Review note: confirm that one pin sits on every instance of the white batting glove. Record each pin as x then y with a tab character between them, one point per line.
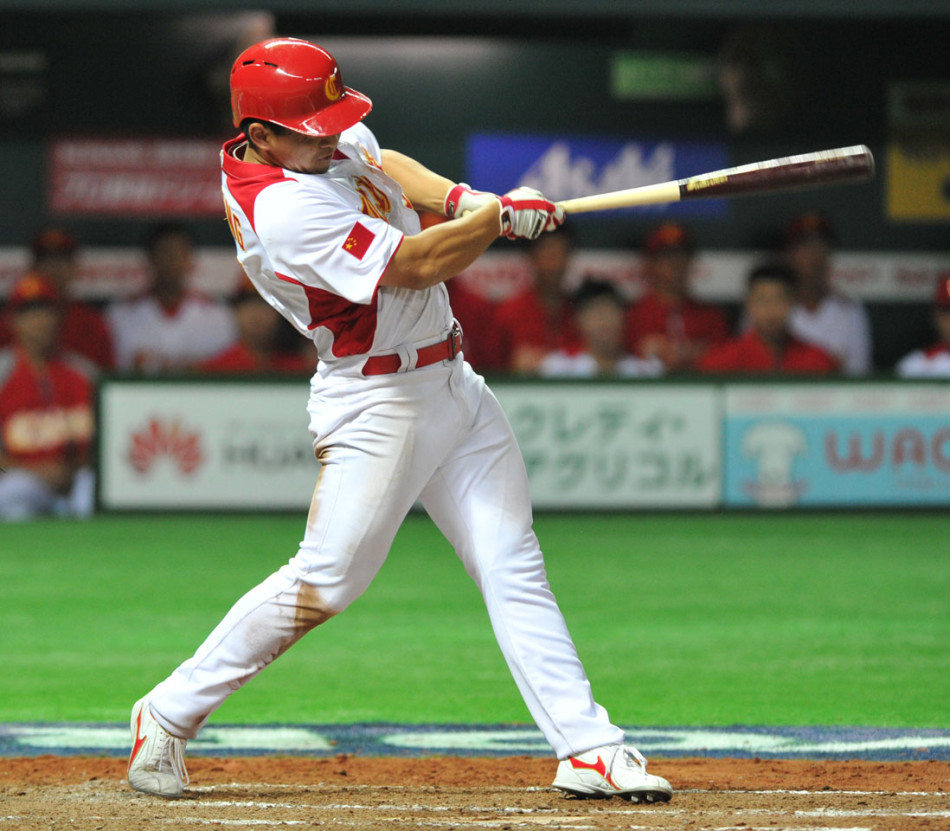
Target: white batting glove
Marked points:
527	213
462	199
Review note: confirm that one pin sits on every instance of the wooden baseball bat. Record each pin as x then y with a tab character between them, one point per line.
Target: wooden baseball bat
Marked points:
825	167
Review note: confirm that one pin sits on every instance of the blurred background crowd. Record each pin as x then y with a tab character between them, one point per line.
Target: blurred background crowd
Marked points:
748	87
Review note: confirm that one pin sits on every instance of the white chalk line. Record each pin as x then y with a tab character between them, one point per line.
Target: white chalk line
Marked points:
263	786
423	809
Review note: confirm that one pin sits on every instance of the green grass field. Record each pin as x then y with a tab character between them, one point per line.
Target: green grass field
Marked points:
680	620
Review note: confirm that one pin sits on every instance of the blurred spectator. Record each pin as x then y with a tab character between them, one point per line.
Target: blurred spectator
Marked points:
256	349
82	328
667	322
475	313
768	345
540	320
169	328
760	79
933	362
821	316
46	417
483	348
599	310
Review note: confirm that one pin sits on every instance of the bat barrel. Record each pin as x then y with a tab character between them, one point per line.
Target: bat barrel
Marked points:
826	167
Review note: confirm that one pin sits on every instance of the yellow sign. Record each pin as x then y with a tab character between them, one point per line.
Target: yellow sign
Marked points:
918	180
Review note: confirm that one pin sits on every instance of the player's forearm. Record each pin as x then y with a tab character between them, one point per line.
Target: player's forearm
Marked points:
442	251
424	188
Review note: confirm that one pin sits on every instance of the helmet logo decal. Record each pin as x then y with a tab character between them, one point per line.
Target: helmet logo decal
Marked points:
332	87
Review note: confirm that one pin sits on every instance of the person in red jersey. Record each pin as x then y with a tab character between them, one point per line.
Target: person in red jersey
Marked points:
668	322
934	361
256	349
540	319
768	346
82	328
600	310
46	420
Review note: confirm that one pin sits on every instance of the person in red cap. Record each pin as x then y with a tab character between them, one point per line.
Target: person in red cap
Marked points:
668	323
767	346
934	361
256	349
83	329
540	319
821	315
326	226
46	417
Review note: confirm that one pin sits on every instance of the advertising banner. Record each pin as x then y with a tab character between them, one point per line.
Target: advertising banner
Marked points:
563	167
837	445
204	445
224	446
592	446
135	177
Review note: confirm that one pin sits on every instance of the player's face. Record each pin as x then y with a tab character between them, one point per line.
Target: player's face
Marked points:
550	254
768	306
257	322
669	271
36	328
303	154
601	324
811	260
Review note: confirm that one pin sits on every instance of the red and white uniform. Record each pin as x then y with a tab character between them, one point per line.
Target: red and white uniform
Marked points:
45	416
323	276
316	247
689	321
926	363
150	338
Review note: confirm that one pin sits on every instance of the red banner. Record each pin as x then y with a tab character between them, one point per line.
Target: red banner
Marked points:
135	177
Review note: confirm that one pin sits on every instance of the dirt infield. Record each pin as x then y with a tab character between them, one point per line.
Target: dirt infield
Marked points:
89	794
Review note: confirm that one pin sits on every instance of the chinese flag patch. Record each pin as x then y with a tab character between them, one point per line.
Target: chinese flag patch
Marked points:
359	241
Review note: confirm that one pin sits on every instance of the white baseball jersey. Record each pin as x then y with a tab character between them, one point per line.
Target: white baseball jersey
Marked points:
149	338
316	246
324	276
840	326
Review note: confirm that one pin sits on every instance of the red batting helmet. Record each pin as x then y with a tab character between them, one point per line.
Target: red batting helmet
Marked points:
296	84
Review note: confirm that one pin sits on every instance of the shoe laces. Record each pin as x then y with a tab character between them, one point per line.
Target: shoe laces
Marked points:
172	757
634	758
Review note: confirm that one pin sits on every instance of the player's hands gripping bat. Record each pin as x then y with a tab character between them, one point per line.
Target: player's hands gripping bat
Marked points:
527	213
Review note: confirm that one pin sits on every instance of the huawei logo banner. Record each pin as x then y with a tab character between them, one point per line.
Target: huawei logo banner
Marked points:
161	439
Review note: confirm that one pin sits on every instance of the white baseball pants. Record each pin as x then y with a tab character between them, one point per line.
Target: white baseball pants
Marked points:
437	434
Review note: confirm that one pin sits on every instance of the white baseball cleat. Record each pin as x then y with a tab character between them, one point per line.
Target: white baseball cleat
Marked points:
611	770
157	761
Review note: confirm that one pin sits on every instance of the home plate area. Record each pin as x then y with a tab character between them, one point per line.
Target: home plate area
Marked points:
433	776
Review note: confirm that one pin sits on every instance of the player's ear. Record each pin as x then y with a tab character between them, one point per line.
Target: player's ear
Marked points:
257	133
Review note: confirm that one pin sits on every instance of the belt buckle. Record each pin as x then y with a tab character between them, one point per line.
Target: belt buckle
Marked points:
454	341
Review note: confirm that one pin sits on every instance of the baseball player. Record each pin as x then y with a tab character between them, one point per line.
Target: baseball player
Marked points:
326	229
